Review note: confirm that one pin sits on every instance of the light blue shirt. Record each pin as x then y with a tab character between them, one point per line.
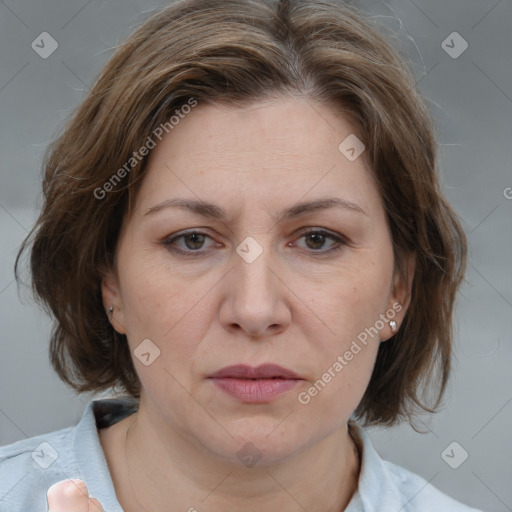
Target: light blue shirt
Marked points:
30	466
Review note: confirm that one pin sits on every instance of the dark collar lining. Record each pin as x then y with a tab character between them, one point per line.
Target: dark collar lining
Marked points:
109	411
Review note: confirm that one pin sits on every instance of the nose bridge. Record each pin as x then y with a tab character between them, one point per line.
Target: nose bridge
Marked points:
254	278
254	301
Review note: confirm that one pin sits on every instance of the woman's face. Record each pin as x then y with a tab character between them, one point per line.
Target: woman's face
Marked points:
237	279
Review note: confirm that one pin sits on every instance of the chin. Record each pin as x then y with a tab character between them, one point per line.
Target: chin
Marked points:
264	441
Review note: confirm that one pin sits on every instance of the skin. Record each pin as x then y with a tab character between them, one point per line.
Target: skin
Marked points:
296	305
71	496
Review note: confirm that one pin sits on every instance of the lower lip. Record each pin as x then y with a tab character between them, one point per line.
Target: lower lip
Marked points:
255	391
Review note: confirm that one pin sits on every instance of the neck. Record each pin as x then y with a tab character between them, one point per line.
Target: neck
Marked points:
162	469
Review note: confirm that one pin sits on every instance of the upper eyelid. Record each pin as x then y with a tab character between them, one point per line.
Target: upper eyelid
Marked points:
338	238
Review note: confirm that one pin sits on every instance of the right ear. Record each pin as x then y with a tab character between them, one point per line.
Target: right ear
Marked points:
112	301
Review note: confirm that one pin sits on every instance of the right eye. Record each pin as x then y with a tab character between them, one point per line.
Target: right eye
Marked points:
187	244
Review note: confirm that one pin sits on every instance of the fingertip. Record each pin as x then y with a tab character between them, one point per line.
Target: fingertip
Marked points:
68	494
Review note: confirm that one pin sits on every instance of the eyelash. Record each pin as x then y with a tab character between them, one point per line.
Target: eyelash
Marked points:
168	242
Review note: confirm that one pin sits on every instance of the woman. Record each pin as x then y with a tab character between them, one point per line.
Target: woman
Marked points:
243	231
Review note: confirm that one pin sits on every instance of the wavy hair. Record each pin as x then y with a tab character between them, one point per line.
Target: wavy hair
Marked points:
236	52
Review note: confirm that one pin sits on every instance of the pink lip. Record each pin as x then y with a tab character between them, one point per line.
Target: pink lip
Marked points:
264	371
255	385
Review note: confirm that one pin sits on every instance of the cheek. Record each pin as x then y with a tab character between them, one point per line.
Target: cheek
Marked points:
344	358
148	288
344	335
168	311
165	307
353	297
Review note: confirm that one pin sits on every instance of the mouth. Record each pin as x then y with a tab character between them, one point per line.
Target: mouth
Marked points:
255	384
264	371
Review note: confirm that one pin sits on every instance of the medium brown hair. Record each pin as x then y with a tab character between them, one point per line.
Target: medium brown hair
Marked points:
236	52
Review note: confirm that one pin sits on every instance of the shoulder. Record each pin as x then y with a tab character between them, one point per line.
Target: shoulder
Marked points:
28	467
418	494
384	485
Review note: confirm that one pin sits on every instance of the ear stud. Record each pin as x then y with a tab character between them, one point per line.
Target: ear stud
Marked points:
392	324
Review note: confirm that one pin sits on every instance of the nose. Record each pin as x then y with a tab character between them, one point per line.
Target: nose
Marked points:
255	298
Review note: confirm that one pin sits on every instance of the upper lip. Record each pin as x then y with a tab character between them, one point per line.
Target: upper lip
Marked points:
264	371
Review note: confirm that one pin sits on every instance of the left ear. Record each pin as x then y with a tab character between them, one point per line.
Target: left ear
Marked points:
112	301
400	296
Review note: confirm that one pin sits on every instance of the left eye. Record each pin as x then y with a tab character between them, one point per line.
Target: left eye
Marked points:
317	240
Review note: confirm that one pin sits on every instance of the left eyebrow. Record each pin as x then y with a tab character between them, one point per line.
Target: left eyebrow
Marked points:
320	204
211	210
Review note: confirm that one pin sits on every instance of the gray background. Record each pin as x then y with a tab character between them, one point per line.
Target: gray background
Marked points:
471	99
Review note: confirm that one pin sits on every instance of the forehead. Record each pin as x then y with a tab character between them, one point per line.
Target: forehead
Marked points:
262	153
295	125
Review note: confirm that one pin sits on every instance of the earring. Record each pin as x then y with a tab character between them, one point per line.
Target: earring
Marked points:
110	310
392	324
